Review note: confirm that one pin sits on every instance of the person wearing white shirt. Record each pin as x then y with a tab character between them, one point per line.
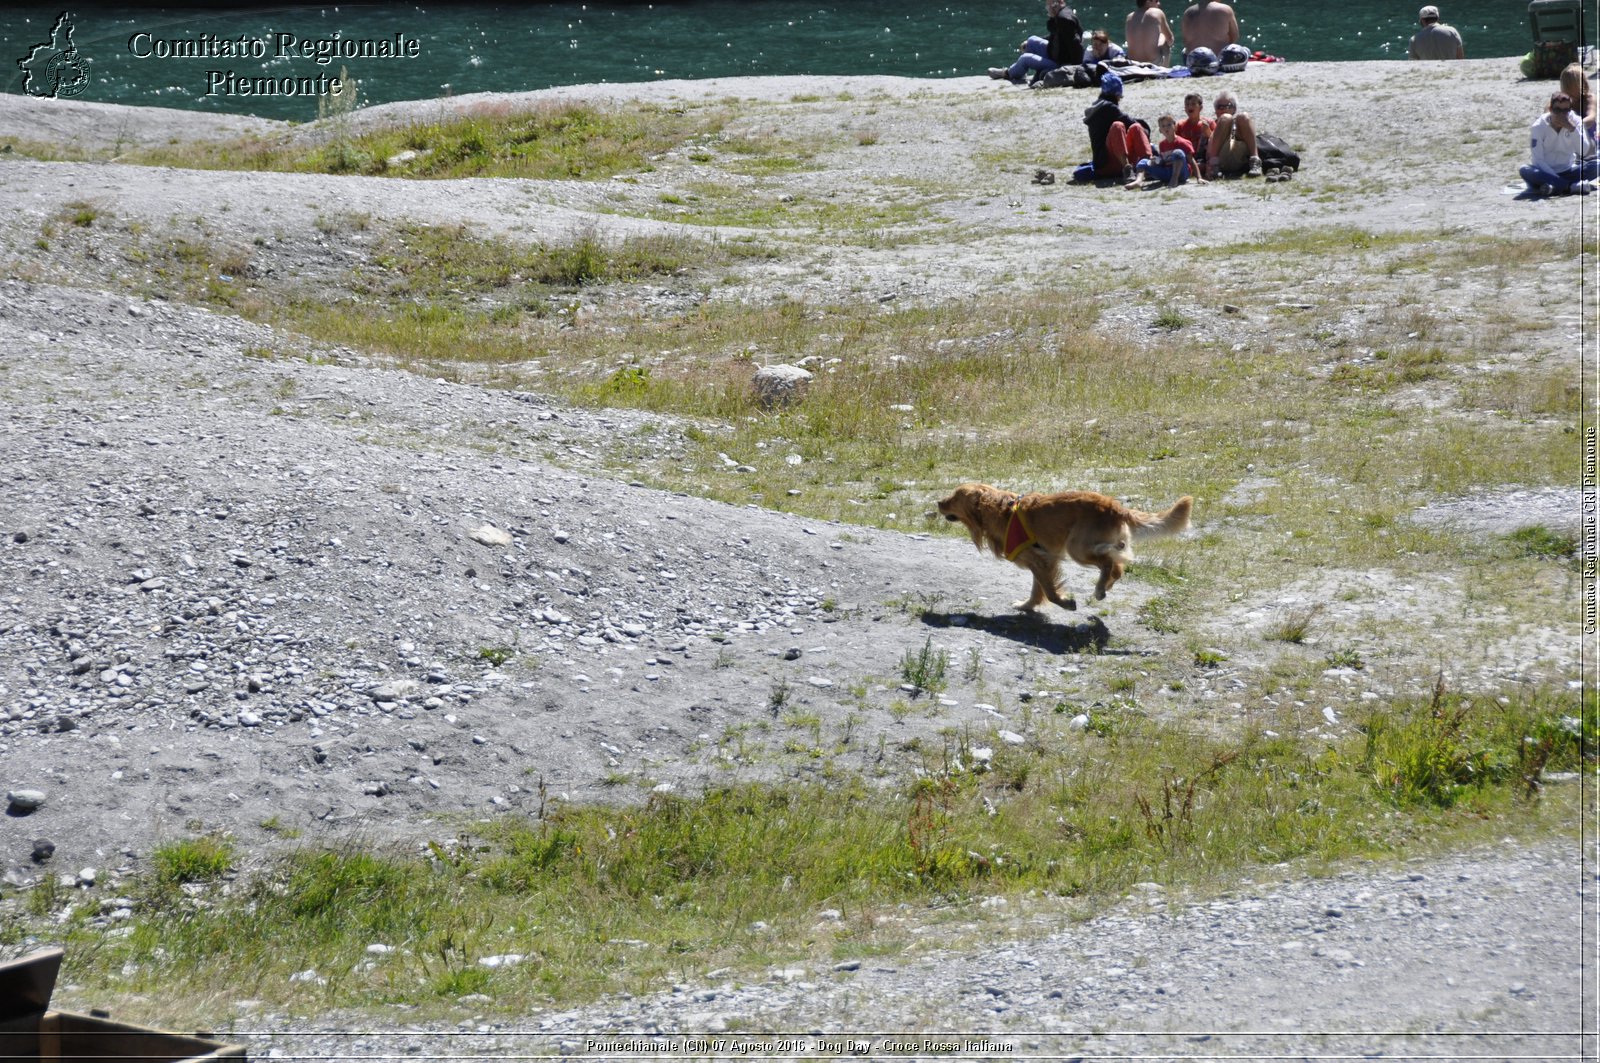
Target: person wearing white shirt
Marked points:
1563	153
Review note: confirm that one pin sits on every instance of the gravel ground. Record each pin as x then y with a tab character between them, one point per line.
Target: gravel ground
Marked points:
236	590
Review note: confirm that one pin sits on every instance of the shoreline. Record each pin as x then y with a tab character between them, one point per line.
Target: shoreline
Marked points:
96	125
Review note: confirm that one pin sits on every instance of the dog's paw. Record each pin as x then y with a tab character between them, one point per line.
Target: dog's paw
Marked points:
1024	606
1069	604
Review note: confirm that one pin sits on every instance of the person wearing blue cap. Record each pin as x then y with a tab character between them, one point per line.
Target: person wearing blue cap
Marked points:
1119	140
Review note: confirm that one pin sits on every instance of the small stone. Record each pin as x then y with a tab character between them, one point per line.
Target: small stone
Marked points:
22	802
43	849
19	537
1011	738
510	959
489	535
394	690
249	719
87	875
792	653
847	965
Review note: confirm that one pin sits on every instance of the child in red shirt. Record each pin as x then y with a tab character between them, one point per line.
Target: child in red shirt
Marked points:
1196	128
1174	161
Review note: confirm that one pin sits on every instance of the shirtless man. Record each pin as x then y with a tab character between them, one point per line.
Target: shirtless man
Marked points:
1148	33
1209	24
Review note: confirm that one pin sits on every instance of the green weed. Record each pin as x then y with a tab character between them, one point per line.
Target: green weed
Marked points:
1539	541
192	860
925	669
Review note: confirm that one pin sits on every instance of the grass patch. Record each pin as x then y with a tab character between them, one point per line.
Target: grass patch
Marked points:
549	141
1539	541
1294	625
192	860
442	264
81	214
1170	320
581	901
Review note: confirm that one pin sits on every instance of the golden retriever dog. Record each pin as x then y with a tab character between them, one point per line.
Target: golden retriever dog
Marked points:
1036	531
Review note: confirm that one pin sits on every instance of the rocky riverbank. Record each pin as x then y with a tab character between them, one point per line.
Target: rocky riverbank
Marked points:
243	592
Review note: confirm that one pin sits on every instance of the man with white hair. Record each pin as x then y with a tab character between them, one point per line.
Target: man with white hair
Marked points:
1233	143
1435	40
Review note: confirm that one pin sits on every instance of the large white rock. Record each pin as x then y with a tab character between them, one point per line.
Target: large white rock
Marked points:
780	385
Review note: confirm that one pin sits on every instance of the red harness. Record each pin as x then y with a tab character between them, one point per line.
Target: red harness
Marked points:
1018	535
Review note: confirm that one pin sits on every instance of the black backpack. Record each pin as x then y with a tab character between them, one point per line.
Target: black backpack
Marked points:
1275	153
1064	77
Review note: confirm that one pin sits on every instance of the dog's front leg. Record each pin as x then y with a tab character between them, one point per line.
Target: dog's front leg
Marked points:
1035	599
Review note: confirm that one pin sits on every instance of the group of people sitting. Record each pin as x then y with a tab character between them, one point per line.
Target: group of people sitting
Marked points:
1197	148
1563	142
1210	29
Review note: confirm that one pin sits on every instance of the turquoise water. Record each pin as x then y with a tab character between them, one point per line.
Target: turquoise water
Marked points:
470	47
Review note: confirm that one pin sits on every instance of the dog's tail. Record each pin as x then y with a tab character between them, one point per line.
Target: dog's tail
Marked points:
1155	525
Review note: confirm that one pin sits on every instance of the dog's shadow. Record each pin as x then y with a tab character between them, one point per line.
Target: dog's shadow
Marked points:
1031	629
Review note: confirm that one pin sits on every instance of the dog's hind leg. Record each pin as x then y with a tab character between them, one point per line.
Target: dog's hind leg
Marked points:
1110	572
1109	557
